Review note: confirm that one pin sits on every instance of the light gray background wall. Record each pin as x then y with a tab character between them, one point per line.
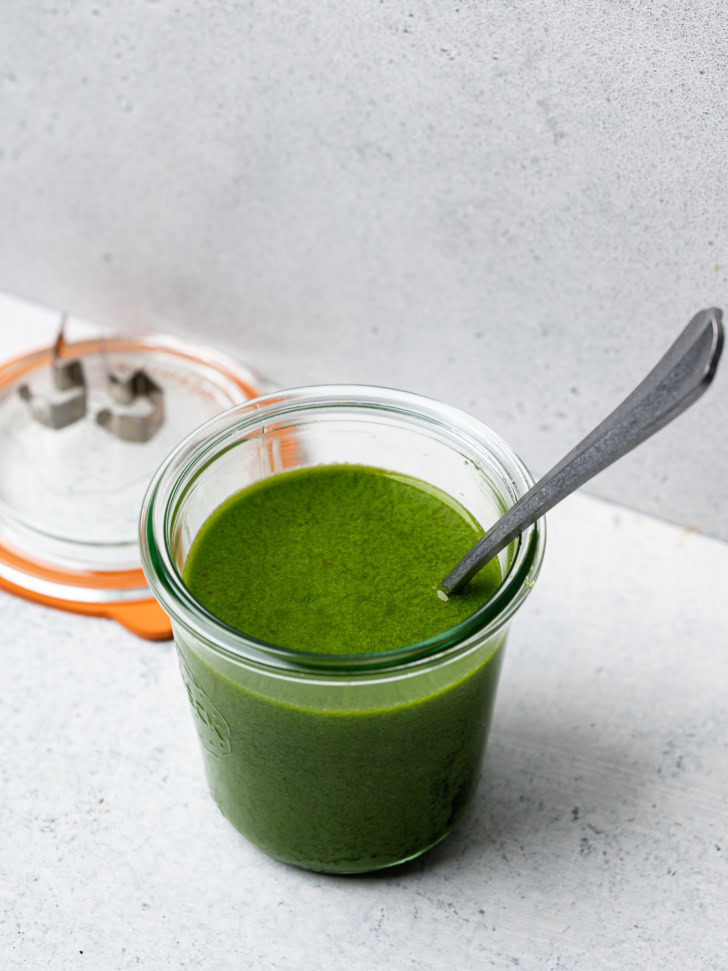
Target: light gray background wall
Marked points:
512	206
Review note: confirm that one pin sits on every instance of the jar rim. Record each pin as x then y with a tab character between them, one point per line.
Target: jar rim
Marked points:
193	454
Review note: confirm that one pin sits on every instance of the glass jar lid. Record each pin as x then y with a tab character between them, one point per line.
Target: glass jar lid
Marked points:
83	427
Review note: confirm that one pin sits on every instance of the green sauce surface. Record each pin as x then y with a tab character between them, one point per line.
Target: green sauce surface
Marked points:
337	559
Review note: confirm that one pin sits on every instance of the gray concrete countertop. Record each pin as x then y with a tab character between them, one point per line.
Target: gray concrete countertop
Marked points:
599	837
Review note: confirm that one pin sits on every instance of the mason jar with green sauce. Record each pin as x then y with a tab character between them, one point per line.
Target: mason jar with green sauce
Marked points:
339	762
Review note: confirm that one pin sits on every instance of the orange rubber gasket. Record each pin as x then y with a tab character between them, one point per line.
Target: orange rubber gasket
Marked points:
145	618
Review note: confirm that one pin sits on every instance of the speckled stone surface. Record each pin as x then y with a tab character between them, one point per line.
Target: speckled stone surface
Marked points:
512	206
599	838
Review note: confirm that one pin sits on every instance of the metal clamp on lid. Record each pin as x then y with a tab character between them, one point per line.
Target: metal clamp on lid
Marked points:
125	425
69	402
61	409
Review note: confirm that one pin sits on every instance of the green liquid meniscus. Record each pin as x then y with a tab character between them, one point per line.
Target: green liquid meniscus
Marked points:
340	559
337	559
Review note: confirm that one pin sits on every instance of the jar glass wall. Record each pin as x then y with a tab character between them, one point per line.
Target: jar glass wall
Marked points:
333	762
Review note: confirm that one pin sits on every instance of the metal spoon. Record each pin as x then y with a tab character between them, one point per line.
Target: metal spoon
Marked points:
678	380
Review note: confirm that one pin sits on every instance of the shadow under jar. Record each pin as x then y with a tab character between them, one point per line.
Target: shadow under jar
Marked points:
339	763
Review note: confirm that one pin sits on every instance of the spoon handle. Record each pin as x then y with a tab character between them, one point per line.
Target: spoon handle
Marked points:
679	379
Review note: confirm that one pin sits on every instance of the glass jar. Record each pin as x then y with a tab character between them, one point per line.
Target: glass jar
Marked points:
339	763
